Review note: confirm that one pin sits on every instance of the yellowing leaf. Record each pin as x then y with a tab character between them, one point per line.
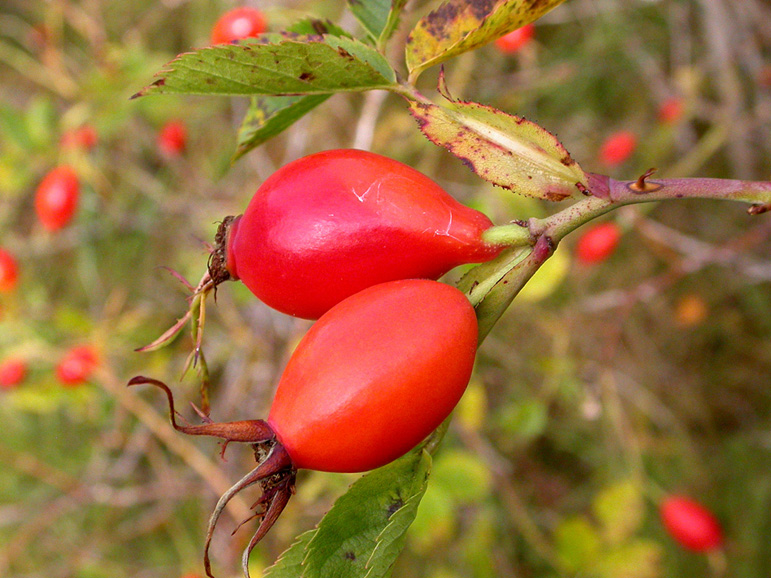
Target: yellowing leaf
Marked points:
461	25
620	509
506	150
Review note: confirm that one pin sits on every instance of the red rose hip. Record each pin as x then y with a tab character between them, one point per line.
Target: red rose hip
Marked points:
371	379
690	524
172	138
77	365
239	23
617	148
598	243
333	223
56	198
12	372
9	272
516	39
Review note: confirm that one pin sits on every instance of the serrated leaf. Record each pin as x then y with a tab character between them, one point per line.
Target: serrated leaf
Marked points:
316	27
506	150
461	25
364	532
269	115
303	65
378	17
289	564
620	510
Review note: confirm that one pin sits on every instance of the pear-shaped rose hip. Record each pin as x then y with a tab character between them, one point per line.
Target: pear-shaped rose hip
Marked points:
333	223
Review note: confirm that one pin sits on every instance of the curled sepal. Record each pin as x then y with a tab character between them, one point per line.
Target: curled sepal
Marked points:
506	150
457	26
275	473
276	476
196	307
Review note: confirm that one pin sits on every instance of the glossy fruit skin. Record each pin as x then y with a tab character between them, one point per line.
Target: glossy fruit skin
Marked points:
244	22
690	524
12	372
77	365
9	272
333	223
598	243
617	148
516	39
172	138
56	198
375	375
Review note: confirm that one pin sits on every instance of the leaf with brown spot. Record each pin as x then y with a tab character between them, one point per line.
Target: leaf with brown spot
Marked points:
274	65
506	150
458	26
365	530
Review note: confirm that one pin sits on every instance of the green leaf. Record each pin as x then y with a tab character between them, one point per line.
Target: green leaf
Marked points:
269	115
270	66
506	150
378	17
371	14
578	545
640	559
365	530
461	25
464	476
289	564
620	510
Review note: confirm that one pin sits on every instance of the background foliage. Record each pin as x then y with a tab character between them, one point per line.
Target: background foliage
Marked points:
600	389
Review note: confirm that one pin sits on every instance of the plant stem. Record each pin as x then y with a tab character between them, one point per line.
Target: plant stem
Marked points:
491	287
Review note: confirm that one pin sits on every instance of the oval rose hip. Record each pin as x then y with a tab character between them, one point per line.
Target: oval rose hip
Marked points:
690	524
371	379
598	243
9	271
333	223
238	23
516	39
172	138
12	372
77	365
56	198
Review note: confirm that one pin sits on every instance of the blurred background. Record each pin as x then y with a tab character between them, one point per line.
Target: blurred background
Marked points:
609	384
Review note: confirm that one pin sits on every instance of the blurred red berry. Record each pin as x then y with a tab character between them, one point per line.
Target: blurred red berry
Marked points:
77	365
9	272
598	243
172	138
516	39
84	137
617	148
56	198
236	24
671	110
690	524
12	372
